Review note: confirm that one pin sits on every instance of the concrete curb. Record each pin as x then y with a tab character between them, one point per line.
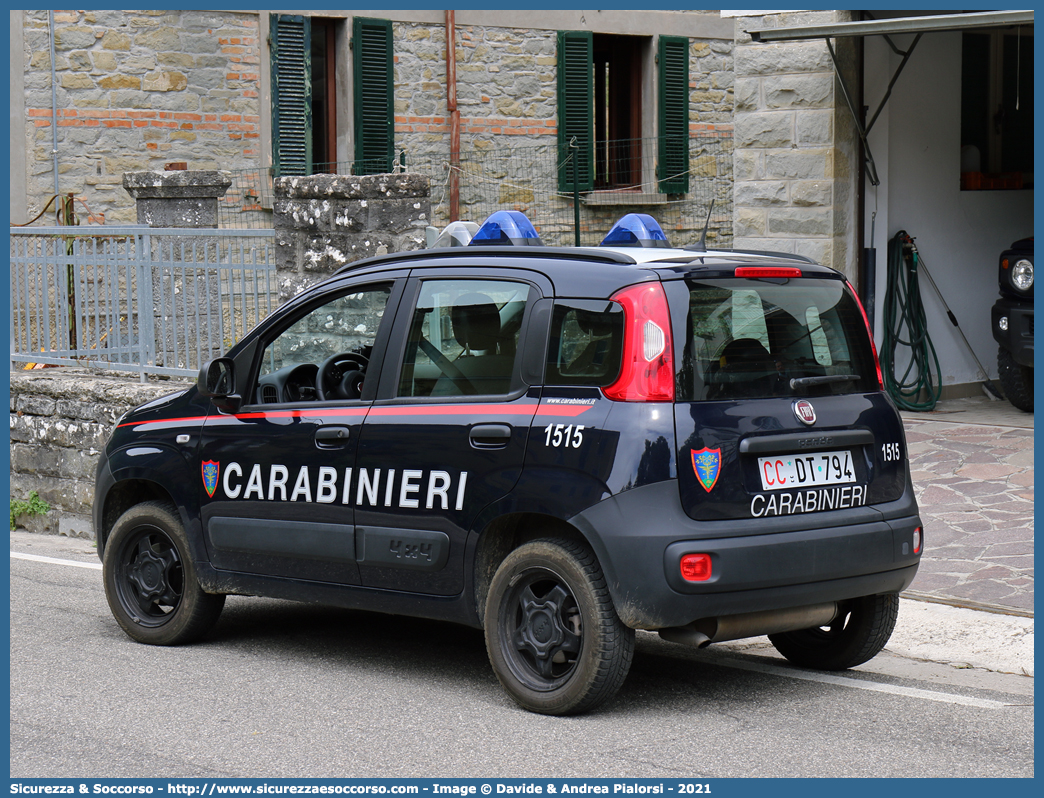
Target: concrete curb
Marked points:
964	638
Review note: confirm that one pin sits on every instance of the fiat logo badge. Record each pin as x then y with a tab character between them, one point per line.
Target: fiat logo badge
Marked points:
804	411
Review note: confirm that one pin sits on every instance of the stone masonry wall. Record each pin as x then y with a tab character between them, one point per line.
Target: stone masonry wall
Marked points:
323	222
507	95
796	149
136	90
60	420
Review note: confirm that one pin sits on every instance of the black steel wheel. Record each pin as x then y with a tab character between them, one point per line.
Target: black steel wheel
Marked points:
858	633
150	581
1016	380
553	636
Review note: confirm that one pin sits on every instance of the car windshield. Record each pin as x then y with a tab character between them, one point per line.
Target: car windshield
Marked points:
774	337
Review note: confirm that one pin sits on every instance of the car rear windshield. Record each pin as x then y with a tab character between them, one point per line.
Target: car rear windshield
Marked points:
761	338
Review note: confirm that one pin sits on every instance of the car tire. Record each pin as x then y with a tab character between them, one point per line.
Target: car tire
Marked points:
858	634
150	579
1016	380
553	636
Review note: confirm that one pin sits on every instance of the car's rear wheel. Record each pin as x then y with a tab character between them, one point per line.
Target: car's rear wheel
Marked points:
1016	379
150	581
553	636
858	633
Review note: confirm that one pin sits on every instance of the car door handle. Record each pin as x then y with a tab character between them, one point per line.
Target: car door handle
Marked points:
490	436
333	437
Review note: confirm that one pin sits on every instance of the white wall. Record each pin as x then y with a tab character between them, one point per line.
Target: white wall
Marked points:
959	234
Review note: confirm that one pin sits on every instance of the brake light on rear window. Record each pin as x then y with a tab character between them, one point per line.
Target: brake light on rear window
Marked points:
764	272
647	372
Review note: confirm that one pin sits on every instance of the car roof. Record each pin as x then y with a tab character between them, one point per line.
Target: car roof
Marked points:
588	271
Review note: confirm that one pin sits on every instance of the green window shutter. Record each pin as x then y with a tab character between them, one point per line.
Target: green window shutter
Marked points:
291	48
575	116
673	115
374	104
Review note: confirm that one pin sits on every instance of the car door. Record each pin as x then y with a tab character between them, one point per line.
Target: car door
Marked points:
275	475
447	436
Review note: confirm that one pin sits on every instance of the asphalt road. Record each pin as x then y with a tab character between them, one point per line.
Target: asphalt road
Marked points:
290	690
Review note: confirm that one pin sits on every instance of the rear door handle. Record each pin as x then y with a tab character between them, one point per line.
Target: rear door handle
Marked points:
490	436
333	437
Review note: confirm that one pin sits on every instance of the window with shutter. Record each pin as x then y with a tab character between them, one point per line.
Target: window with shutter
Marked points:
374	120
672	166
575	97
291	94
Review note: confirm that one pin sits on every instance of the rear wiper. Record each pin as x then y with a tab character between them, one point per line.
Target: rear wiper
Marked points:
805	382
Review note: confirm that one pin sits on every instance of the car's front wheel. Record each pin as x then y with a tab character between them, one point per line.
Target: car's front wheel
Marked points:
150	581
553	636
858	633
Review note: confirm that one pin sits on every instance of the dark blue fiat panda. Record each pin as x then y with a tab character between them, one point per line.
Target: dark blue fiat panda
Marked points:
556	445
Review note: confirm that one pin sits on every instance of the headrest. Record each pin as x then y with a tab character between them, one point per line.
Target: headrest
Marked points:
476	322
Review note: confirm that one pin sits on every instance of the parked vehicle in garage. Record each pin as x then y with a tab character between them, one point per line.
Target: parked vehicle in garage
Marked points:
1013	324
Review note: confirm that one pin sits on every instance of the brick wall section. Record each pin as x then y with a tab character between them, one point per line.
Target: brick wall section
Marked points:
60	420
135	90
796	148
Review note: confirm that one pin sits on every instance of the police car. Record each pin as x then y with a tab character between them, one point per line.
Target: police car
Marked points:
556	445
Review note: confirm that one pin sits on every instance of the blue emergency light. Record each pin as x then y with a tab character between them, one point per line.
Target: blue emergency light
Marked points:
636	230
507	227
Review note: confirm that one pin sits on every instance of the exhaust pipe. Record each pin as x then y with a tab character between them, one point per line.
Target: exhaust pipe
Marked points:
701	633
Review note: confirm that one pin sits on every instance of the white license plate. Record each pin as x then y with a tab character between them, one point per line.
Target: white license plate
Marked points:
806	470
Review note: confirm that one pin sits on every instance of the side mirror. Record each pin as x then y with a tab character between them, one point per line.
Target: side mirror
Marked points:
217	381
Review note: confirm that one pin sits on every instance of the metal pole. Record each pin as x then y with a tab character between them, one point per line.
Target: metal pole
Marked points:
454	114
54	105
576	191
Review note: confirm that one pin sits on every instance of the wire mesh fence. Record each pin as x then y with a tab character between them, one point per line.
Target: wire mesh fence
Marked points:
616	177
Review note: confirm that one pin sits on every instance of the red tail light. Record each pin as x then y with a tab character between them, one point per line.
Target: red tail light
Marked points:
647	373
696	567
869	333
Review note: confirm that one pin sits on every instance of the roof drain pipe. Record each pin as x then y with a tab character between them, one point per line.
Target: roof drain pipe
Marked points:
454	115
54	105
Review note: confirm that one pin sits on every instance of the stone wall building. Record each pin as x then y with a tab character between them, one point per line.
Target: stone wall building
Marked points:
796	145
132	91
263	94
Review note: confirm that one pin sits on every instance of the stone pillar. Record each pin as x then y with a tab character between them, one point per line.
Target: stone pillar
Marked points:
177	199
186	199
796	147
323	222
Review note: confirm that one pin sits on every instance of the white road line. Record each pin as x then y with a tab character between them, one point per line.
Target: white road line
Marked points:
759	667
17	555
861	684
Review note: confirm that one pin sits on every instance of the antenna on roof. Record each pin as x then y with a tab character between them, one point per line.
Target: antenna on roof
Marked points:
703	236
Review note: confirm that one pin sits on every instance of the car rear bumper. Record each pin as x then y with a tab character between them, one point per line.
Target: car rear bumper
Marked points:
640	536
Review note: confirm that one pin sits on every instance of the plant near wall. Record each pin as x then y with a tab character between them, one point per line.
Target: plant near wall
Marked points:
34	505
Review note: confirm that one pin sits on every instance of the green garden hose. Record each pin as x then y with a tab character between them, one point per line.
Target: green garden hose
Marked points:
906	327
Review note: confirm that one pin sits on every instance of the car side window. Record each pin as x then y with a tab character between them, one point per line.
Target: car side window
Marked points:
325	353
586	343
463	338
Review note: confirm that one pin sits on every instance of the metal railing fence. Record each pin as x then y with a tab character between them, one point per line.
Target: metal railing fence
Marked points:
134	298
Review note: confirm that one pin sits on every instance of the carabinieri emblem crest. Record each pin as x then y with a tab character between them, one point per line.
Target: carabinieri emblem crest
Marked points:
707	465
210	476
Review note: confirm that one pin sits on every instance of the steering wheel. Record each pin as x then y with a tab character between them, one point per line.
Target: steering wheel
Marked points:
341	376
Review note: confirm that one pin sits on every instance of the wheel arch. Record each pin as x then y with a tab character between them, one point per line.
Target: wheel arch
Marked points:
505	534
126	494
